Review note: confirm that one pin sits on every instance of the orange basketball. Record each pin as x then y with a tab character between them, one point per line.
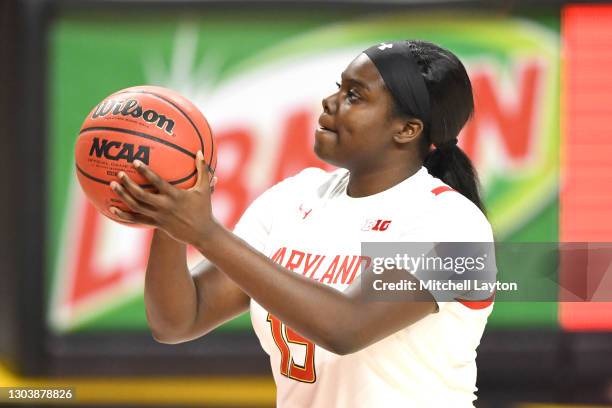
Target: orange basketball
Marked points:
148	123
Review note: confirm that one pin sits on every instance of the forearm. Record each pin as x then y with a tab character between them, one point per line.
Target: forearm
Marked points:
170	293
303	304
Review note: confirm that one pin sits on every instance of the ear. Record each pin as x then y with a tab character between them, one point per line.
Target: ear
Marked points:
408	131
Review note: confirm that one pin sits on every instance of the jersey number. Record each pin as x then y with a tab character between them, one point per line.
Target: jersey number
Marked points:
288	367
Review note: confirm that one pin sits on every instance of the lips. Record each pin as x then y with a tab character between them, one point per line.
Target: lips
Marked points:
324	125
323	128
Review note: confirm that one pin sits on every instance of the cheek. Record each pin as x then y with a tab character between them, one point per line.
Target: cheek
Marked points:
361	124
353	121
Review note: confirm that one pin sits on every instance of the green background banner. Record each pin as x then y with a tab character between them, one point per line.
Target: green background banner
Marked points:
248	72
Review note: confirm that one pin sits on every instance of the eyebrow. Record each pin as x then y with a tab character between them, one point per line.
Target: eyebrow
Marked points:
354	82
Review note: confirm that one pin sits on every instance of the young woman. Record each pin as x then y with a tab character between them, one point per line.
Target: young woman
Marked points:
294	257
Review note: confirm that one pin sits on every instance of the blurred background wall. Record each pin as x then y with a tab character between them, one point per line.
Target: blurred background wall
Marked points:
8	76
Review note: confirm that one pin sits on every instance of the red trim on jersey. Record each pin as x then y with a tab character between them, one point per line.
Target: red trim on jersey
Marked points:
471	304
477	304
441	189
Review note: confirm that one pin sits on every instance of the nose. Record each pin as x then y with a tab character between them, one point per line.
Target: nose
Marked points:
329	104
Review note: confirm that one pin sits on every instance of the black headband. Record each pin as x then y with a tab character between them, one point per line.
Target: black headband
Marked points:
397	67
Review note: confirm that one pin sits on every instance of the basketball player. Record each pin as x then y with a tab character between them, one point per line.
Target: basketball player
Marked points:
293	259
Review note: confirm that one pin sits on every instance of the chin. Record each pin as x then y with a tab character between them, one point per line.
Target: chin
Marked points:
326	156
321	153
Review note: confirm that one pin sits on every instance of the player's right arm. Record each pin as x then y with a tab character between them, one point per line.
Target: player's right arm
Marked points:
183	305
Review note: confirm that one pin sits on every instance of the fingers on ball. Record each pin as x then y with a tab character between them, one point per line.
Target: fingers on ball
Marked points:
134	189
128	199
159	183
129	217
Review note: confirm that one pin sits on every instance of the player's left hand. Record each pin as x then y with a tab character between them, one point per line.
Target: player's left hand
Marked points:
186	215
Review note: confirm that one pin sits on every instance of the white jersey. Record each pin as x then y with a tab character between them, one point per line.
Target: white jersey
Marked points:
309	224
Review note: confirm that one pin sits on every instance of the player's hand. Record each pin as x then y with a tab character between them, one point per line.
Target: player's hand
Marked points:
186	215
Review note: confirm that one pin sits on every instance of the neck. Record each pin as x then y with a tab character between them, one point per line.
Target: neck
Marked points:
365	183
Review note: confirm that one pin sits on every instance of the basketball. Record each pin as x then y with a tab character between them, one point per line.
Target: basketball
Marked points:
152	124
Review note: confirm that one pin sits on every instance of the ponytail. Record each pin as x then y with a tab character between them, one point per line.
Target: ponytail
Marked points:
451	106
451	165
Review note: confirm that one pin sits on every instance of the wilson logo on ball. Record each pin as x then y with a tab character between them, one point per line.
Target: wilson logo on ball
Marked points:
112	150
131	107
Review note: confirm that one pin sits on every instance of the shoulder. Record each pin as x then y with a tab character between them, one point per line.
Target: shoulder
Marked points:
448	202
456	217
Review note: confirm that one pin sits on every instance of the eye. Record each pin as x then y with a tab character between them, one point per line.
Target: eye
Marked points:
351	95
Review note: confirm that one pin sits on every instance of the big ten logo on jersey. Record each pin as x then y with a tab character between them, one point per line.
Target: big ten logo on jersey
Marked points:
376	225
